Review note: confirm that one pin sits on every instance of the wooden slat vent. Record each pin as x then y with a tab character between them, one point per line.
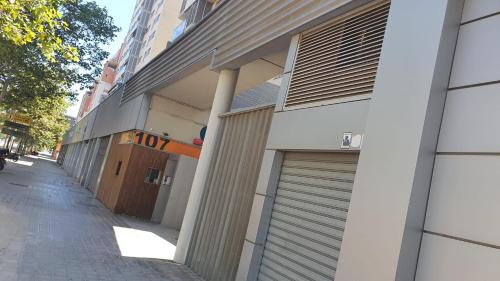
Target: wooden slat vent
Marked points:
338	60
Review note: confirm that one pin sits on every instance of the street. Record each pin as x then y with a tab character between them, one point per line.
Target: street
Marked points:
53	229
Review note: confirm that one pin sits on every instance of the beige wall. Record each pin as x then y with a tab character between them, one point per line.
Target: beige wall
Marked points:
179	196
163	29
182	123
462	229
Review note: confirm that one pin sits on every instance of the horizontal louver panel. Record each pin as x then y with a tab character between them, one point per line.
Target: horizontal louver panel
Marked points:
308	217
338	60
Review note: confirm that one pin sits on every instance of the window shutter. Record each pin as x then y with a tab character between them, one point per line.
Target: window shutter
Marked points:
338	60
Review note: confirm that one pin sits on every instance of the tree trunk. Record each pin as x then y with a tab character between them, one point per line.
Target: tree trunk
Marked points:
3	93
12	145
8	142
20	146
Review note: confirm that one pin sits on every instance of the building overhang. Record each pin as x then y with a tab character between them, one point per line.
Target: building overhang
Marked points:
232	35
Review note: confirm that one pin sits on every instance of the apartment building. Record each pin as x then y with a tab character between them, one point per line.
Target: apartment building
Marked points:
105	83
101	87
151	29
377	160
191	13
85	104
162	22
133	41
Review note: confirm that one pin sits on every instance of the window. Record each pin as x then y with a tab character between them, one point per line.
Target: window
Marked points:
124	65
157	18
152	176
118	168
146	53
151	36
197	11
125	56
159	4
179	30
112	66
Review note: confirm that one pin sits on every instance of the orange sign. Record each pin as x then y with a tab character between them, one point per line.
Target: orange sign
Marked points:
127	138
17	118
21	119
160	143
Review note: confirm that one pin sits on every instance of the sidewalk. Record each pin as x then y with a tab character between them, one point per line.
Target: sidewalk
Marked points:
53	229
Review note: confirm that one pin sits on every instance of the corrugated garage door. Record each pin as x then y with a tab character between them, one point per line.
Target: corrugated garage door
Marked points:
308	218
222	222
92	182
87	160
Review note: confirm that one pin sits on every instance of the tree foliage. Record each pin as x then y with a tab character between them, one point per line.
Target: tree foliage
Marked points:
89	27
49	122
24	22
24	76
39	43
86	28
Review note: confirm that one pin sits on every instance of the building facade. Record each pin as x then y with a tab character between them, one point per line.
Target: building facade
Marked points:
85	104
162	21
151	29
133	41
101	87
105	83
375	161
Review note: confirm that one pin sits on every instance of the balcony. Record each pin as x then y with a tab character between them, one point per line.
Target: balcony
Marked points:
192	15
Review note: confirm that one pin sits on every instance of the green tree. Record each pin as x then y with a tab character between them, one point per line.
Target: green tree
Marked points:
38	68
25	22
49	122
23	76
25	69
89	28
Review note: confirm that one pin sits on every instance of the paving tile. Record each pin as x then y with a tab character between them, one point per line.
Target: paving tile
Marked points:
52	229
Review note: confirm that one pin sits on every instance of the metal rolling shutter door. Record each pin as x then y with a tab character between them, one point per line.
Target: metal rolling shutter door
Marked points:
308	218
96	167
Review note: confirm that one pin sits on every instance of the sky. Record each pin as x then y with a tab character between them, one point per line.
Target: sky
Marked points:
121	11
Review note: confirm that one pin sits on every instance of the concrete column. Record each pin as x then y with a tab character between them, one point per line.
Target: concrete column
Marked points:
7	144
389	200
222	103
142	115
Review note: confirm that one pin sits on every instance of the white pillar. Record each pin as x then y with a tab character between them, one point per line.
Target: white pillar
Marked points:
142	115
221	104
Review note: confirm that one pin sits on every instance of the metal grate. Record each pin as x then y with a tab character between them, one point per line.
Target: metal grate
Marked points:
338	60
222	221
308	218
